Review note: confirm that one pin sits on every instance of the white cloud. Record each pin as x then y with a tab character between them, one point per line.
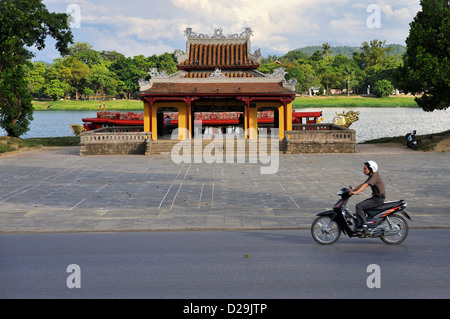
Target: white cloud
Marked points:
156	26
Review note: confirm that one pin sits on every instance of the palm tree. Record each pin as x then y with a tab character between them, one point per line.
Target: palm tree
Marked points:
326	52
348	73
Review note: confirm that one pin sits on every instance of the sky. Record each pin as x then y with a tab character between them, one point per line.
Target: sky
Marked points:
147	27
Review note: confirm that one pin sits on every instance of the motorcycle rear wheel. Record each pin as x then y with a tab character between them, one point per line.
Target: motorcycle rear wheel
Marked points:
401	233
325	231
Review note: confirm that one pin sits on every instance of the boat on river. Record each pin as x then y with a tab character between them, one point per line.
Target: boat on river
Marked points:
211	119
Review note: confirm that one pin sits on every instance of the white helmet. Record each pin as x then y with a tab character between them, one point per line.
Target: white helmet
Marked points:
372	166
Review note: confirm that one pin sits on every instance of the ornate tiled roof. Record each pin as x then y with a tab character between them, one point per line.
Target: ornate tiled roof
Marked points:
217	65
218	51
223	56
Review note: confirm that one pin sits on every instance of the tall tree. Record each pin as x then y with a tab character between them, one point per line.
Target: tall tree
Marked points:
348	73
377	62
371	54
427	59
167	63
76	75
128	72
35	77
326	52
102	80
84	52
24	24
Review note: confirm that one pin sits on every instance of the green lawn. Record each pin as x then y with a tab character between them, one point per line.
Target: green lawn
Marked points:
354	101
300	102
10	144
87	105
427	142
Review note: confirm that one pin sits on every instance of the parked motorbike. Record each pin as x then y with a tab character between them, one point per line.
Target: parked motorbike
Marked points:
385	222
411	141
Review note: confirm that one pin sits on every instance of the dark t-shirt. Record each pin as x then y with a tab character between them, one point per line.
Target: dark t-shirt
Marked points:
377	185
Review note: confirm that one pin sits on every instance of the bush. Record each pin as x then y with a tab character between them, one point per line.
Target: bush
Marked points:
383	88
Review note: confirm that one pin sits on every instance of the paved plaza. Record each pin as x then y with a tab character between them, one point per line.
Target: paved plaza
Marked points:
57	190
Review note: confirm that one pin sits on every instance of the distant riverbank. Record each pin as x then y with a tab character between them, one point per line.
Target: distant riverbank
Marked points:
354	101
300	102
71	105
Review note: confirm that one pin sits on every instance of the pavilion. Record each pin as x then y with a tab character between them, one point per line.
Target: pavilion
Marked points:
217	73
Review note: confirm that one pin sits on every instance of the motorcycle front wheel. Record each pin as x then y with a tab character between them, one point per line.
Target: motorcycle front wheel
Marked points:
398	230
325	231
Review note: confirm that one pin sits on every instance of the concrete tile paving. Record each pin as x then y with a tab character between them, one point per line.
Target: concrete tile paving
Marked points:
56	190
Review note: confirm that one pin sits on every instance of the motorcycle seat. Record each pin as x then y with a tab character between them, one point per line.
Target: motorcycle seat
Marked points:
387	205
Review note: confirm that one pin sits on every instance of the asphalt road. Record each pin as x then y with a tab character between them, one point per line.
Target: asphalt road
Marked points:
215	264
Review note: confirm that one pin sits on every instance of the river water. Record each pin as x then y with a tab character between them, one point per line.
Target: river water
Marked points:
373	122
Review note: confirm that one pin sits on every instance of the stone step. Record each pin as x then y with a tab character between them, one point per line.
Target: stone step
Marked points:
239	147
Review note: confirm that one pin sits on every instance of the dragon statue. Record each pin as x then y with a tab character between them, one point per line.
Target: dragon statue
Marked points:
346	119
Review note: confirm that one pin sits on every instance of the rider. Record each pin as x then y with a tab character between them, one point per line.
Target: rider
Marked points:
378	193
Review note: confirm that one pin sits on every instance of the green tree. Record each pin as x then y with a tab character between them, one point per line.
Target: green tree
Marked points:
316	56
111	56
131	70
56	89
88	92
383	88
326	52
427	59
268	68
16	110
24	24
294	55
167	63
102	81
56	80
128	72
308	80
371	54
349	74
77	72
36	77
346	69
376	61
85	53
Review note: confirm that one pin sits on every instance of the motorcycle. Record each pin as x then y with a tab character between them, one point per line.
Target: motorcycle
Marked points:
411	141
385	222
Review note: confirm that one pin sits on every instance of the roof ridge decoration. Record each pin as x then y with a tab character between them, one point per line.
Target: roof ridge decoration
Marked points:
218	34
281	73
217	38
278	73
217	74
155	74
